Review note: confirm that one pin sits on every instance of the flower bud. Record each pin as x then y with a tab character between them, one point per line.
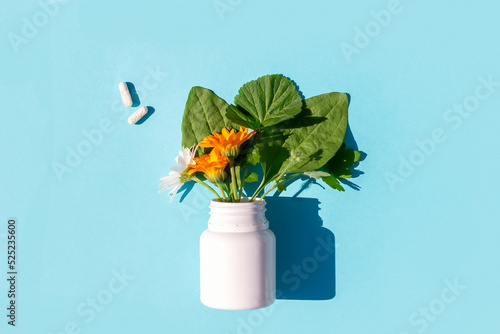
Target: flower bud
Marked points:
217	178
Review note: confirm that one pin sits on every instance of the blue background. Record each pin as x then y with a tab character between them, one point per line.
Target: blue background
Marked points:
399	244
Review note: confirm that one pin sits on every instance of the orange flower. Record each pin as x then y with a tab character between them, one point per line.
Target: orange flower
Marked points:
227	142
212	165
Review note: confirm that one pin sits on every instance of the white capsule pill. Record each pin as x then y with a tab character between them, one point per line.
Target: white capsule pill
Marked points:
137	115
126	98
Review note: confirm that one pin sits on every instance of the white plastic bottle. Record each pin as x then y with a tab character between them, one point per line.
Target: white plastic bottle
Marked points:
238	257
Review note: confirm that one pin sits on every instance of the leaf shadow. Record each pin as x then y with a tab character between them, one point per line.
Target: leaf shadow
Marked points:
351	143
307	184
302	119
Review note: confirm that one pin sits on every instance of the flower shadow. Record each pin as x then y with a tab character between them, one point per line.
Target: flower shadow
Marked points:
305	250
185	190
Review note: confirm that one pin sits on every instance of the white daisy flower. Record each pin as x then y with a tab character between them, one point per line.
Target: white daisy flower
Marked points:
173	180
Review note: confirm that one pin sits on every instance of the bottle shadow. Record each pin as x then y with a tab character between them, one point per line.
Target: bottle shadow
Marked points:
305	250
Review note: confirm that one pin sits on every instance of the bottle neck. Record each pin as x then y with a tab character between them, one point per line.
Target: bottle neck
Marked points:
243	216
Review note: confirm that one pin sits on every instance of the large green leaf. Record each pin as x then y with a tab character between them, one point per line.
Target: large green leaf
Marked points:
242	117
203	115
317	133
264	102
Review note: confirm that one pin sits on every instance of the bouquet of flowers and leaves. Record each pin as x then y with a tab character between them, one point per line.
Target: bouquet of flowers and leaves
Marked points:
269	126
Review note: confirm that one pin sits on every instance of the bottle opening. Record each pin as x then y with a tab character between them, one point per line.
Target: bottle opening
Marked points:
238	217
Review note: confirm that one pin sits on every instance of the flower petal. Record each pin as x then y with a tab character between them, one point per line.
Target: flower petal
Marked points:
174	192
177	169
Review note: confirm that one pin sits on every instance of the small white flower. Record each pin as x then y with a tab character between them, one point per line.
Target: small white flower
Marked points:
173	180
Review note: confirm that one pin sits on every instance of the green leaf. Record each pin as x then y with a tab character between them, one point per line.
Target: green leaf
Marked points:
203	115
333	182
252	177
357	156
347	174
271	152
253	157
266	101
317	174
271	159
281	187
339	165
316	134
241	117
249	154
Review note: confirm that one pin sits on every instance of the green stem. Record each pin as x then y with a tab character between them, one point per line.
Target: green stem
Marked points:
262	185
259	189
270	188
234	191
206	185
243	182
222	191
276	183
290	177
